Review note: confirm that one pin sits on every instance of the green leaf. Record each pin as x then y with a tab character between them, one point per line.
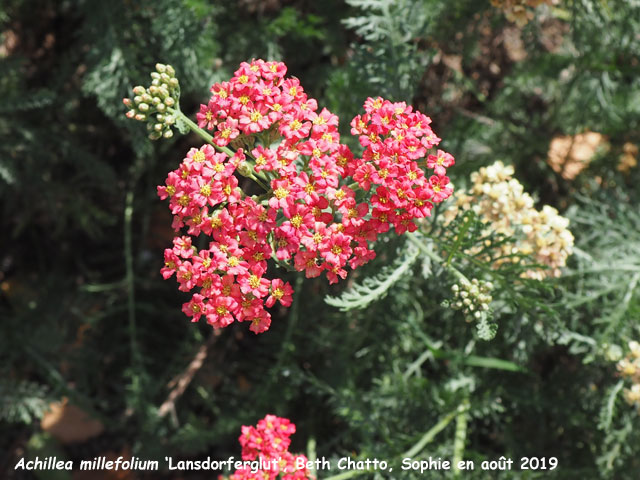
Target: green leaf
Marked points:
374	288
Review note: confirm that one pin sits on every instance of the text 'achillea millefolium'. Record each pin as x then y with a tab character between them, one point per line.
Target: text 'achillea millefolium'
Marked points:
322	206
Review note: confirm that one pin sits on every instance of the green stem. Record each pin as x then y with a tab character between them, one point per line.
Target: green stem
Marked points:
311	454
266	187
435	257
417	448
209	139
201	133
345	475
460	437
129	278
433	431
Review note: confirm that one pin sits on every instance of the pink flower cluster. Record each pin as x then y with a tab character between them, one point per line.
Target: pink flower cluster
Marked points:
394	137
323	206
269	442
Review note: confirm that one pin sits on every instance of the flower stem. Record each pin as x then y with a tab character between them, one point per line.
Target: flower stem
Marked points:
417	448
435	430
200	132
435	257
129	278
460	437
209	139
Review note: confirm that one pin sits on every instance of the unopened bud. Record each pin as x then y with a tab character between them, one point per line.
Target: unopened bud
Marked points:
168	133
173	83
140	117
161	107
169	102
127	102
244	169
170	71
158	127
155	135
139	90
143	107
160	68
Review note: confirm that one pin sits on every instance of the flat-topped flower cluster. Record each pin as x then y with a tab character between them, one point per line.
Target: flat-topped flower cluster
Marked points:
322	206
501	203
629	368
268	442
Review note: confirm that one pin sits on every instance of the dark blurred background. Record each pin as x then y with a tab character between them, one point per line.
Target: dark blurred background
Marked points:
96	357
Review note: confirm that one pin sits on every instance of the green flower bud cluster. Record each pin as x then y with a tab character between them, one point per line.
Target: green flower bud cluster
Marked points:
155	105
472	298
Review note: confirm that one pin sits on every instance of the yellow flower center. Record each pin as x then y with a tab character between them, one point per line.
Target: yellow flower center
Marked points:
296	221
281	193
254	281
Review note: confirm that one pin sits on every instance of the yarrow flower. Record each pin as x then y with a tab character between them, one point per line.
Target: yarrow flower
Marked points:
519	11
322	208
629	368
501	203
267	446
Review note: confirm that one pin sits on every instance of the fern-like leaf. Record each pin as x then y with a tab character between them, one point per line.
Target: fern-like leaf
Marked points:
22	402
376	287
609	408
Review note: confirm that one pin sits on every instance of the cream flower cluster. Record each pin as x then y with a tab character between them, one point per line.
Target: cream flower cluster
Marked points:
629	367
501	203
519	11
